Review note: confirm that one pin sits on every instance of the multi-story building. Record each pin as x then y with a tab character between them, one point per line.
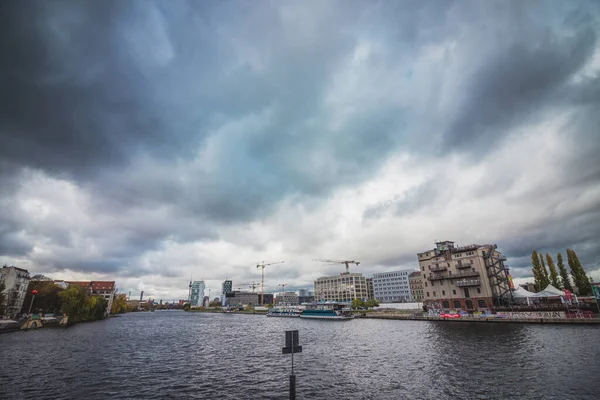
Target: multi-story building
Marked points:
469	278
370	292
237	298
287	299
344	287
197	294
226	287
415	281
269	298
16	281
305	296
392	287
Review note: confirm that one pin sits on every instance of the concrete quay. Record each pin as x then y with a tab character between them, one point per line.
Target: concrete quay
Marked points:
571	321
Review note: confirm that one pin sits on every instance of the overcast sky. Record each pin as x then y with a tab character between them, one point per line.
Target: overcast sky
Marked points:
146	141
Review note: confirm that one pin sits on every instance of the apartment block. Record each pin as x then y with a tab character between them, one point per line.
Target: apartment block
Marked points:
392	287
343	287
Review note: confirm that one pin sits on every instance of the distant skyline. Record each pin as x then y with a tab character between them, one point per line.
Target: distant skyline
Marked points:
144	141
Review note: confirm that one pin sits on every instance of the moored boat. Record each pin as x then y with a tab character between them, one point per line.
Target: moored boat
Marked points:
327	311
284	312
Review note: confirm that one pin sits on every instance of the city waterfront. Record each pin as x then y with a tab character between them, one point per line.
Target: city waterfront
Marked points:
172	354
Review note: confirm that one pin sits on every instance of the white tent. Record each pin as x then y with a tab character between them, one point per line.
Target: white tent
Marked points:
550	291
520	293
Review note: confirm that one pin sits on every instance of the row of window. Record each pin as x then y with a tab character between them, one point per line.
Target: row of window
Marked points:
453	292
469	304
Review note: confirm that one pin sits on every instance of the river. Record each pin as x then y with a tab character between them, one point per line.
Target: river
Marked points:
177	355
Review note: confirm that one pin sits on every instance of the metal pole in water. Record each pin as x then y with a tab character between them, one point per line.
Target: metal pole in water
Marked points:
292	346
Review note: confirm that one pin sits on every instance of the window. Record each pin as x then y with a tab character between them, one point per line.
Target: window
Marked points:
425	284
443	292
434	294
429	266
478	290
453	291
481	303
445	304
427	294
469	305
423	268
456	304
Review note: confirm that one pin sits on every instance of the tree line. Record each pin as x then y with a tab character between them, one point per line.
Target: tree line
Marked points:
560	278
73	301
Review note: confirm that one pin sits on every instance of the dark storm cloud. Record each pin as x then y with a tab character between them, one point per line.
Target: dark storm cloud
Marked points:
178	120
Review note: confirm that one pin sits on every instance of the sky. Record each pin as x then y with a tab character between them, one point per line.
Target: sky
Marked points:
147	142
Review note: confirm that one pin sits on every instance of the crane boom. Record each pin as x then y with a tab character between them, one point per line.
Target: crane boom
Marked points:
346	262
262	282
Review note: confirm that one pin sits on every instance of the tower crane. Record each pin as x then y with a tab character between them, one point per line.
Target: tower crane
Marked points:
254	286
346	262
262	281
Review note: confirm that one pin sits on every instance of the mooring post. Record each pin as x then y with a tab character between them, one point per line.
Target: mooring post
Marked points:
292	346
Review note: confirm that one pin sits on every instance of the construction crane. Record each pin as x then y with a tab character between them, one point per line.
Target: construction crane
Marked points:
262	281
283	285
346	262
254	286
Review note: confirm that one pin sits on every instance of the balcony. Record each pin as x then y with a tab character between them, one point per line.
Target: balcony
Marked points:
466	274
437	277
439	268
460	266
468	282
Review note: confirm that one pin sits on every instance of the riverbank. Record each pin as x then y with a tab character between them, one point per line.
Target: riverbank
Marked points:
568	321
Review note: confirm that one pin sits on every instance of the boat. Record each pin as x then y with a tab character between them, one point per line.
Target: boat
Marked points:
327	310
284	312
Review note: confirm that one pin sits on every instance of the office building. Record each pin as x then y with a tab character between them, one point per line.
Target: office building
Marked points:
344	287
197	294
16	281
464	278
239	298
269	298
415	281
392	287
305	296
370	293
287	299
226	287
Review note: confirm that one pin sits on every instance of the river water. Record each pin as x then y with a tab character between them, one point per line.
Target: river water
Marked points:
177	355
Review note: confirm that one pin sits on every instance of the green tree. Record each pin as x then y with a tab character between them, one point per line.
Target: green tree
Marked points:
544	270
540	278
553	275
371	303
357	303
119	305
46	300
73	302
564	275
186	307
580	278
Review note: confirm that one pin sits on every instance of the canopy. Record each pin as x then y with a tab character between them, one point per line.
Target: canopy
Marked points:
550	291
520	293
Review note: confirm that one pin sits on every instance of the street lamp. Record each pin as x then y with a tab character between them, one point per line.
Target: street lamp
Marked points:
33	292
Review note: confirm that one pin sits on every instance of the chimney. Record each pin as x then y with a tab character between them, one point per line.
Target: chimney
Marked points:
141	296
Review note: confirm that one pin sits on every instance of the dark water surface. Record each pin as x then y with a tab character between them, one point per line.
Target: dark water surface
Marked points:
177	355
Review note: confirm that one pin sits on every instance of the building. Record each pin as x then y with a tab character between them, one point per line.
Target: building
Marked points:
269	298
16	281
237	298
415	281
226	287
197	294
105	289
206	301
529	286
370	293
464	278
392	287
344	287
305	296
287	299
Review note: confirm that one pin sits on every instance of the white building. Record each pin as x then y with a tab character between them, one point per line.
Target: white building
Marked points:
16	281
197	294
343	287
287	299
392	287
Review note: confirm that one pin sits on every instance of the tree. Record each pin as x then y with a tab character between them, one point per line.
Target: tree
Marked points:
371	303
540	278
357	303
553	275
564	275
119	305
544	270
580	278
46	300
73	302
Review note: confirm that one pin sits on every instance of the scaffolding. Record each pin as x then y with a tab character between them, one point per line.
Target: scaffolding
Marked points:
498	276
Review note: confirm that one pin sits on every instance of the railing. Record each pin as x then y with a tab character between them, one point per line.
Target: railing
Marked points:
468	282
466	274
439	268
460	266
435	277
